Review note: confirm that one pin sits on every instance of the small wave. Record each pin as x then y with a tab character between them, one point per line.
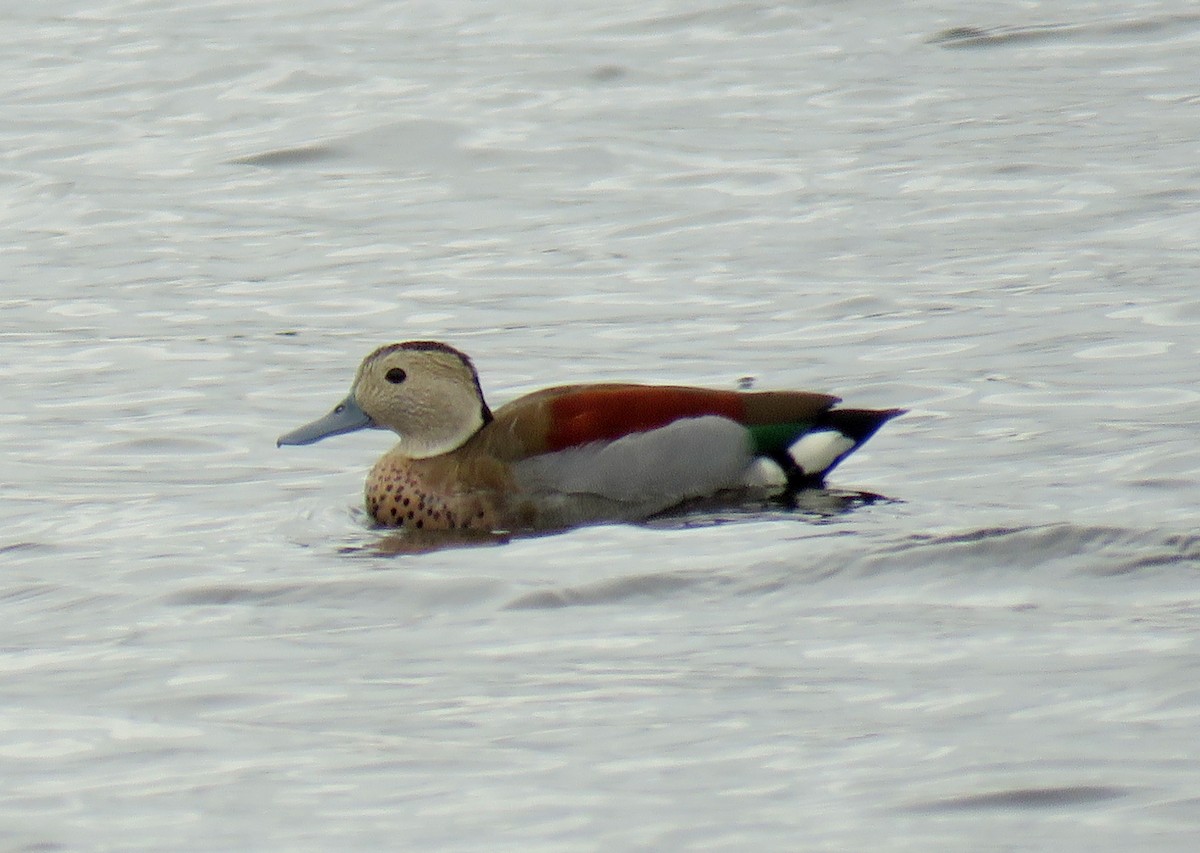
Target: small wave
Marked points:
1026	798
225	594
398	595
14	547
1087	549
1145	28
652	586
299	156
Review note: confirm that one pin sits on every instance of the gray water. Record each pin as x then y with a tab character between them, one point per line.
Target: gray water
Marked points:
986	214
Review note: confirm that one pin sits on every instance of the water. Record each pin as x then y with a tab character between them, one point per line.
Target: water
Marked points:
985	216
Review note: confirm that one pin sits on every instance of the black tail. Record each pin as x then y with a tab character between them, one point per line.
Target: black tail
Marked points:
858	424
855	424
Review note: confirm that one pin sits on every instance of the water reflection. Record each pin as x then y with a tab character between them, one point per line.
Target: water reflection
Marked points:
812	505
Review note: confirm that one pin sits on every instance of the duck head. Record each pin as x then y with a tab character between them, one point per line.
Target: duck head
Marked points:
425	391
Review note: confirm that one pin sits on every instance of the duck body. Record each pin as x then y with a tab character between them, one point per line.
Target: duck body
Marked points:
575	454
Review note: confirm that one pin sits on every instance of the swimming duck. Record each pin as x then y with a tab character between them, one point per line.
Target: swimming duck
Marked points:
574	454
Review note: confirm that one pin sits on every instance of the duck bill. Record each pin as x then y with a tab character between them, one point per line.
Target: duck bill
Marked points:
345	417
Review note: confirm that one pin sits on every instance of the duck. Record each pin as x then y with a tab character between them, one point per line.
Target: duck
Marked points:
575	454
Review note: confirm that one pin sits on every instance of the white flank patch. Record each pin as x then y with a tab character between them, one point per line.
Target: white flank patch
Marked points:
657	469
815	452
764	474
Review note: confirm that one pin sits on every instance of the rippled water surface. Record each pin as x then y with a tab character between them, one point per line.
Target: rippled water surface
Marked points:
987	215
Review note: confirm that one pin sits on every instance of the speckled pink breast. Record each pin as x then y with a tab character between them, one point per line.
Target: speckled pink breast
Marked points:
400	494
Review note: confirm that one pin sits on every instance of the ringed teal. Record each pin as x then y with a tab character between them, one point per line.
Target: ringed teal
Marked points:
574	454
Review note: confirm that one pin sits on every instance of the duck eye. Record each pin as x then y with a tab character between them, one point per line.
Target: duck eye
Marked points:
395	376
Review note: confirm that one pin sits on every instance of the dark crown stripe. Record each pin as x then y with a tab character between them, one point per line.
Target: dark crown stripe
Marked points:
438	346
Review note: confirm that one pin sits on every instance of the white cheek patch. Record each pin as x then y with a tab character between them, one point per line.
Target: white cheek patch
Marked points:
817	451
